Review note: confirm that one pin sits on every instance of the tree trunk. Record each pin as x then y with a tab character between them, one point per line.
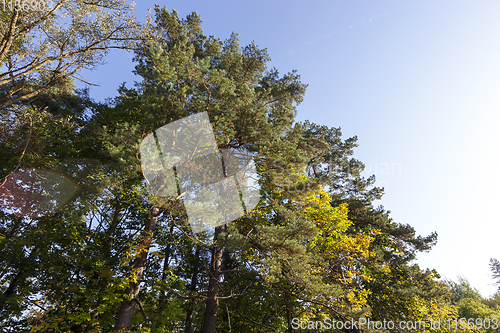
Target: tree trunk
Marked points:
289	313
194	283
127	307
210	322
163	295
354	329
110	234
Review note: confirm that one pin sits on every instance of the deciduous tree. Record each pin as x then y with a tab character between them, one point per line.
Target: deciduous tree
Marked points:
43	43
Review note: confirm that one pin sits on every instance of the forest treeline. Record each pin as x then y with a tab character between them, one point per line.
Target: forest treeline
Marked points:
85	247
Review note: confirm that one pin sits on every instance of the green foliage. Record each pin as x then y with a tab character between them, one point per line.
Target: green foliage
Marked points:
314	248
462	290
472	308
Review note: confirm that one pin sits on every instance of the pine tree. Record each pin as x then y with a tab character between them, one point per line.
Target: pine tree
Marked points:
495	270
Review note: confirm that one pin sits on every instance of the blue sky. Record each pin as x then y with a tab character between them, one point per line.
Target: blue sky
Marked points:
417	81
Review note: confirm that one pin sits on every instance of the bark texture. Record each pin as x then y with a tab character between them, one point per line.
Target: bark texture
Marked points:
127	307
210	321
